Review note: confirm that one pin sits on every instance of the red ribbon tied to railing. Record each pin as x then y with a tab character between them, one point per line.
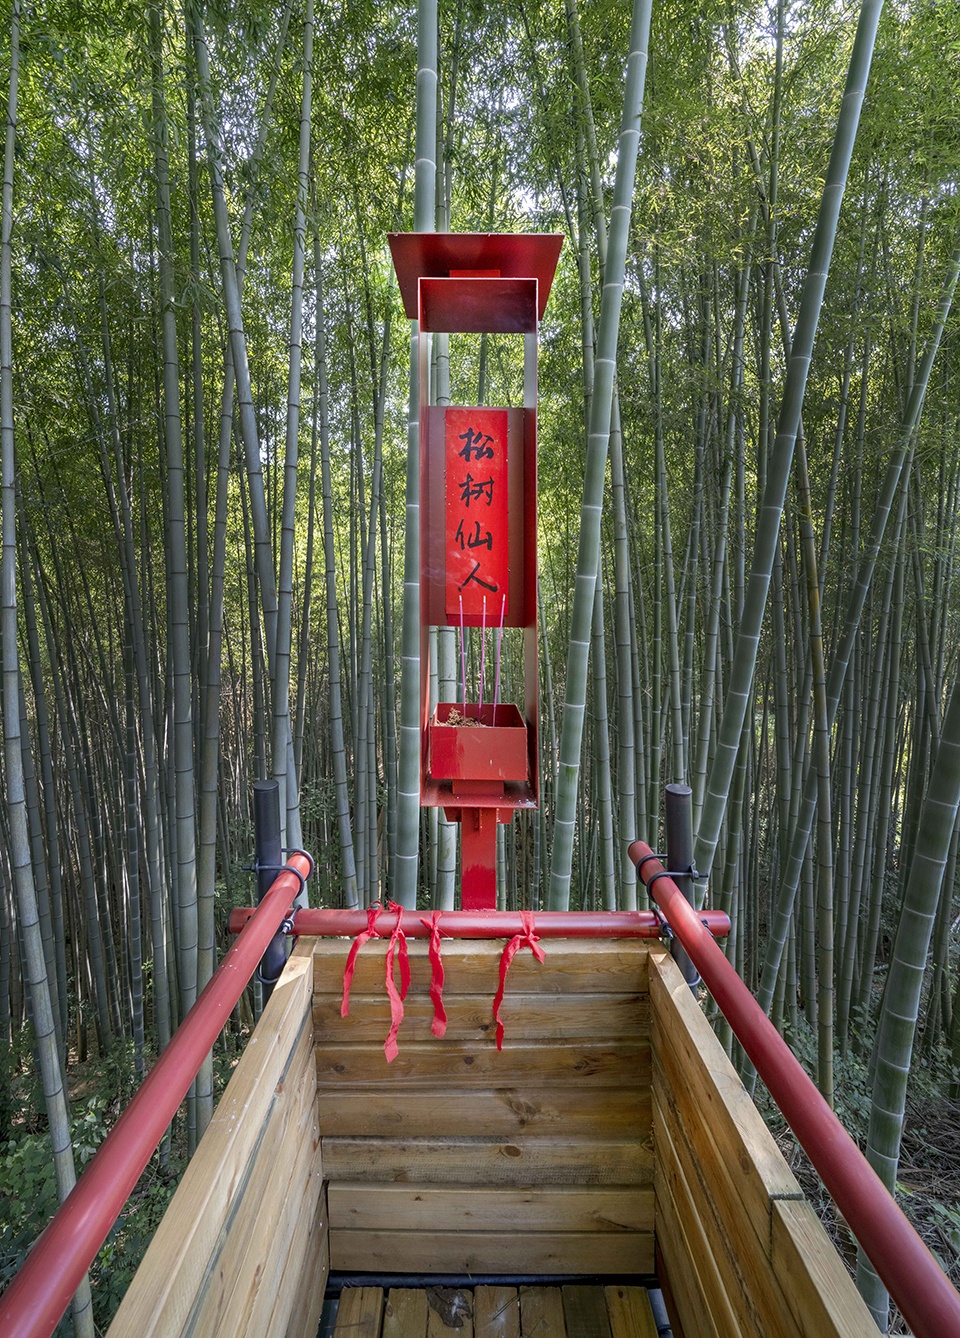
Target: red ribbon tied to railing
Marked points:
371	931
526	939
439	1024
397	947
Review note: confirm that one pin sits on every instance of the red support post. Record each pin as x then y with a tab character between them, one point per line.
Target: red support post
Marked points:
927	1300
478	857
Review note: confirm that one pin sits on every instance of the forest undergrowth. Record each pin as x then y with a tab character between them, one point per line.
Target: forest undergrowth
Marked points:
100	1087
928	1178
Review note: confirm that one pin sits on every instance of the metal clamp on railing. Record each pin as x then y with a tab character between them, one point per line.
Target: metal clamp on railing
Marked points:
286	929
666	933
275	869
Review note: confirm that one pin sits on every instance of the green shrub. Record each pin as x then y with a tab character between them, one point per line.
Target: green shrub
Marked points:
28	1199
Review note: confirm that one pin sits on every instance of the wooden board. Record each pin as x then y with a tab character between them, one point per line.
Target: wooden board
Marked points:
577	966
541	1313
164	1288
469	1252
737	1186
722	1122
518	1161
496	1312
666	1295
291	1136
405	1314
569	1112
588	1063
629	1312
292	1268
359	1313
460	1159
700	1300
421	1208
825	1300
585	1311
739	1257
258	1294
470	1017
308	1306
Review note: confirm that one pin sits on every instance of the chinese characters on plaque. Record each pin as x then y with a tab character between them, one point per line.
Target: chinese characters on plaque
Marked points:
476	536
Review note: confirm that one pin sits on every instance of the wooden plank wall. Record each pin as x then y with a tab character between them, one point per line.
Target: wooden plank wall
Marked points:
457	1158
243	1247
743	1252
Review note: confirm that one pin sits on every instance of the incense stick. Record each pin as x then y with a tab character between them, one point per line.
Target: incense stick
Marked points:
496	678
463	659
483	651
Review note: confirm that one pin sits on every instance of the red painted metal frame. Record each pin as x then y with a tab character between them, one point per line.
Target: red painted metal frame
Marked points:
469	283
478	306
509	255
927	1300
312	923
41	1291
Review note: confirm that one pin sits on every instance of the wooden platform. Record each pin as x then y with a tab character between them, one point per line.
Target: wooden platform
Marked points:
493	1312
610	1138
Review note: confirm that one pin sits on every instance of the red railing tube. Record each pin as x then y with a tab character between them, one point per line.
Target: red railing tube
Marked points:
927	1299
41	1291
313	923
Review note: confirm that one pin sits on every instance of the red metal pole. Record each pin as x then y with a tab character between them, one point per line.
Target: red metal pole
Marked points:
41	1291
478	858
314	923
927	1300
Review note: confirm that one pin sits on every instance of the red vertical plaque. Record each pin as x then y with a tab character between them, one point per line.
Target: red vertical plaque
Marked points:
476	538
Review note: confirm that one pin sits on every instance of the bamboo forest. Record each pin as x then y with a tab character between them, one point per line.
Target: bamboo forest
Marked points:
748	491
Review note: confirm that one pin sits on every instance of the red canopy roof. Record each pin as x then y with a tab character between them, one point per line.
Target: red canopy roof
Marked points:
508	255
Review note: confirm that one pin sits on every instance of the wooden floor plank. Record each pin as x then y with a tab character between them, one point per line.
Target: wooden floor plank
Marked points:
573	1311
541	1313
360	1312
405	1314
496	1312
585	1311
629	1312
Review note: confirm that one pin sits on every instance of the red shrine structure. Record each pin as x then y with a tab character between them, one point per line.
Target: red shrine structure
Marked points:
478	532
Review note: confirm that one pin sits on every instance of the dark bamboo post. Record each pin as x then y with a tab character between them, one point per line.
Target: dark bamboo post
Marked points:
678	829
268	861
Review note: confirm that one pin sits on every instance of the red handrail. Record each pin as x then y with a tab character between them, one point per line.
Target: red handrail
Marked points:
41	1291
319	923
927	1299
